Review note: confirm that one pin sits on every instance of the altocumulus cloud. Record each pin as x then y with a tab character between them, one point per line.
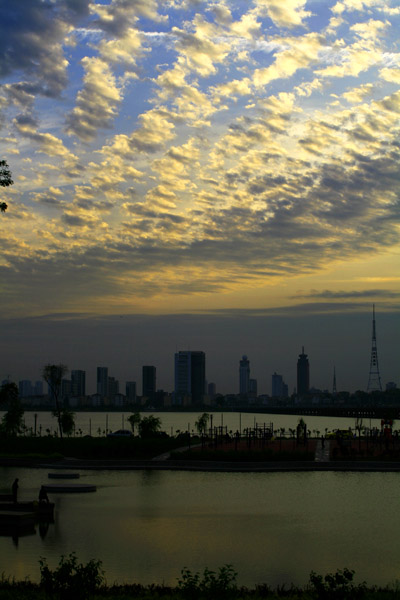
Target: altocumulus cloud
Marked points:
211	145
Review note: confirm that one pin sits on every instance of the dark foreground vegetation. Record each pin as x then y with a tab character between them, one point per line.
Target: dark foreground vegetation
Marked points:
73	580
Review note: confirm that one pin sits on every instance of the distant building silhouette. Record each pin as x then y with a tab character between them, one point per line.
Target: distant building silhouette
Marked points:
102	381
78	383
279	389
130	392
252	388
244	375
190	377
148	381
112	388
334	391
374	379
25	388
303	374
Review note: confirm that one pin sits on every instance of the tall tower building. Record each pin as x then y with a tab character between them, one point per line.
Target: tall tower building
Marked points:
78	383
303	374
148	381
190	376
130	392
102	381
244	375
374	379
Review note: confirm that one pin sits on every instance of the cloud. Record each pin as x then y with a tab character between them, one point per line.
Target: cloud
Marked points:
345	295
96	103
290	13
31	42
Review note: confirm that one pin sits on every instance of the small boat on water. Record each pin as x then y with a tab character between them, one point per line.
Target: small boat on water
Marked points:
63	475
69	488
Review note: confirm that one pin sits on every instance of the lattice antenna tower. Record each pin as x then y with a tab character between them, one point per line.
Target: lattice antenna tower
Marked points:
334	391
374	379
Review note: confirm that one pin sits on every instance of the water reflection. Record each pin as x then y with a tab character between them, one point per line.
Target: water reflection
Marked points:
273	527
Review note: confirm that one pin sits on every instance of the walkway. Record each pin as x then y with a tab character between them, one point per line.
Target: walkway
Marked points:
322	451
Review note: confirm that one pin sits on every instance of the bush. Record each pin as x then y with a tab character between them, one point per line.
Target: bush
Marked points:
337	586
210	585
71	579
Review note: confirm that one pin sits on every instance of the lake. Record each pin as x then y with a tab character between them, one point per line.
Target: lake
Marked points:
273	528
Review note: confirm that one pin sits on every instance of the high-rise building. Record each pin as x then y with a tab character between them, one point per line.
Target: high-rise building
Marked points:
102	381
78	383
148	381
244	375
303	374
112	387
190	376
279	389
38	388
25	388
130	392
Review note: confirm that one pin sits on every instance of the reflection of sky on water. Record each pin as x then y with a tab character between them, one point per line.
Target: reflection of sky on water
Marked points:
273	528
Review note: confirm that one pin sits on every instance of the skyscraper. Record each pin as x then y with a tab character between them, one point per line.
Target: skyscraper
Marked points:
78	383
303	374
279	389
148	381
130	392
190	376
244	375
102	381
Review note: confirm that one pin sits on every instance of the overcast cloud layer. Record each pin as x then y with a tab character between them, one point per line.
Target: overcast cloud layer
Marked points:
167	152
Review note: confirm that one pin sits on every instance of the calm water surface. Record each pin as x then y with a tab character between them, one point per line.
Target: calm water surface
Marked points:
272	527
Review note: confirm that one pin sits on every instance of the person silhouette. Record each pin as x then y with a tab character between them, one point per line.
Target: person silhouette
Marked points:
14	490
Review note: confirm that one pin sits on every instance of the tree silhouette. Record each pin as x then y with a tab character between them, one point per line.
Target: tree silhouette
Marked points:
149	426
134	420
53	376
12	421
5	180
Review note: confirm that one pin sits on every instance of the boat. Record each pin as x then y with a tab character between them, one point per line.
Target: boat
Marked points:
69	488
63	475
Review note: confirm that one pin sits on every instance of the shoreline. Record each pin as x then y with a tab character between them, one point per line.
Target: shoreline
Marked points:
205	466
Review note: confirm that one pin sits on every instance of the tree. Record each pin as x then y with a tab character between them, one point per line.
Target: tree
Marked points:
5	181
12	421
149	426
202	422
53	376
134	420
67	421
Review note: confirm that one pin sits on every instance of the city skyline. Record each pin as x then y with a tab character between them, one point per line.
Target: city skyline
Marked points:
200	174
262	365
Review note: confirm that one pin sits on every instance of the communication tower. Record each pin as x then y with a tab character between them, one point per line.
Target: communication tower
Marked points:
374	379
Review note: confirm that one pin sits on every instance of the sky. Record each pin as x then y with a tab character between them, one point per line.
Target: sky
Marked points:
211	175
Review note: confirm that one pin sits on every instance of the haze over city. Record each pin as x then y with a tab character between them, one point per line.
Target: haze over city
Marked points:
208	175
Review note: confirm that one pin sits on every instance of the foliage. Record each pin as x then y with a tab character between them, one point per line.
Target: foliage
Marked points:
67	421
71	579
8	393
149	426
5	181
202	422
210	585
12	421
337	585
134	420
53	376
